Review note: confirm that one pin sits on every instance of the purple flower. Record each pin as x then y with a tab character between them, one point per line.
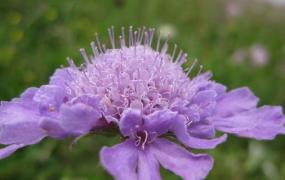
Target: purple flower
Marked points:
145	96
138	157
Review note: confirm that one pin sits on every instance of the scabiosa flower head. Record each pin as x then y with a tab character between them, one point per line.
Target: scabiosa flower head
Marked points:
144	94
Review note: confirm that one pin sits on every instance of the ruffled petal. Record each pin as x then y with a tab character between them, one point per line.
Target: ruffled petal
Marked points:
53	128
19	125
130	120
78	119
263	123
50	97
206	101
61	77
235	101
7	151
160	122
29	93
181	132
202	129
120	160
180	161
148	166
26	99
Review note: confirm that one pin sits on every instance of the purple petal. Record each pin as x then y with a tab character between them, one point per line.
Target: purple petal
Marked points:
160	121
88	99
148	167
206	101
120	160
202	129
78	119
61	77
235	101
50	97
19	125
130	120
29	93
7	151
53	128
263	123
26	99
180	161
181	132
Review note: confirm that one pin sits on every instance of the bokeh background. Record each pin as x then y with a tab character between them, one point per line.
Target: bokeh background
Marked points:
241	41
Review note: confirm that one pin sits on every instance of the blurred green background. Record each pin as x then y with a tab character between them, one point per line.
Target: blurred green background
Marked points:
242	42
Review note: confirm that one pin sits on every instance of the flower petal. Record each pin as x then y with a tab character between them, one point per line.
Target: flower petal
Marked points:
263	123
130	120
7	151
180	161
181	132
235	101
53	128
50	97
19	125
160	121
120	160
148	167
61	76
202	129
29	93
206	101
78	119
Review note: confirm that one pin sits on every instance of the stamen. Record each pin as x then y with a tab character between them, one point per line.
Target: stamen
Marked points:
191	67
146	38
178	57
123	38
122	42
135	37
165	46
111	37
182	59
94	49
141	138
151	32
174	51
98	42
141	35
104	48
113	34
84	55
70	62
130	36
200	69
158	41
145	139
